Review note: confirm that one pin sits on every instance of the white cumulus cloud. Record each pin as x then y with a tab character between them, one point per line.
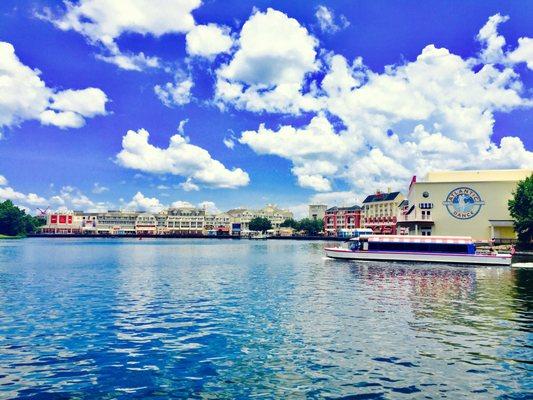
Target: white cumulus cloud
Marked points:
30	200
104	21
128	61
181	204
492	41
189	186
432	113
175	93
25	96
99	189
315	150
209	206
328	22
179	158
68	198
523	53
140	202
208	40
267	72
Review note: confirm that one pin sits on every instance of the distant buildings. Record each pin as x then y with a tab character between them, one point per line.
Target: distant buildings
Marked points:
463	203
183	221
243	216
317	211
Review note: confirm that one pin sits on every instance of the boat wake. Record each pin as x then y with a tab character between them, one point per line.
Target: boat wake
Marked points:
522	265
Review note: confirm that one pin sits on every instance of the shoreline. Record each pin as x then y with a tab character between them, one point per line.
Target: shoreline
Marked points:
526	254
7	237
67	235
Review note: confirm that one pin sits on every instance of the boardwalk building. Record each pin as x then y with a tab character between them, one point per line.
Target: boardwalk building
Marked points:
380	212
339	218
464	203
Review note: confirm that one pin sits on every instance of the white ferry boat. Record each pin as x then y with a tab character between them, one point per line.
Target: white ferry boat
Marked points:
440	249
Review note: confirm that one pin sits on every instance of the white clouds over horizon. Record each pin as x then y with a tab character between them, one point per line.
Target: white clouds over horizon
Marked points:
179	158
70	198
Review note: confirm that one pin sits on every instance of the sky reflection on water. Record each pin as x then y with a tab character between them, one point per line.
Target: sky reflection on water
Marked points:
237	319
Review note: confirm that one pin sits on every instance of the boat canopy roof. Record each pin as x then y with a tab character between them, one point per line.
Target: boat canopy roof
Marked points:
421	239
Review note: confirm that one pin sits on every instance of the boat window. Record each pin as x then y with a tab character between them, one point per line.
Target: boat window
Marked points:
422	247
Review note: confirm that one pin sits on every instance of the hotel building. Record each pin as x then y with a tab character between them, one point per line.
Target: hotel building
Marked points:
69	223
185	221
337	218
243	216
463	203
174	221
380	211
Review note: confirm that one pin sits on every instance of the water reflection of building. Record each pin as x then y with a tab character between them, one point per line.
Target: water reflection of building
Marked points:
428	282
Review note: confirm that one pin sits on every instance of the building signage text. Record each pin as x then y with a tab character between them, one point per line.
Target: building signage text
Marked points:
463	203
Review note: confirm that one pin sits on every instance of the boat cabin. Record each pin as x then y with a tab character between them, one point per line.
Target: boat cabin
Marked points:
416	244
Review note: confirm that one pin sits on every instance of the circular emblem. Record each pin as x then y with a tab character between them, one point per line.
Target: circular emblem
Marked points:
463	203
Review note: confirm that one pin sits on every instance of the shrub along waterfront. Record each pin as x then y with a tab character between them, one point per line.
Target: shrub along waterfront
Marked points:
521	209
260	224
14	222
310	226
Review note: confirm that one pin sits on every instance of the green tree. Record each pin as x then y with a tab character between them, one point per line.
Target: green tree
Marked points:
521	209
311	226
290	223
11	219
15	222
260	224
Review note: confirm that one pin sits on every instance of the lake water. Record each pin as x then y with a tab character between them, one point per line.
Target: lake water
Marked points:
109	318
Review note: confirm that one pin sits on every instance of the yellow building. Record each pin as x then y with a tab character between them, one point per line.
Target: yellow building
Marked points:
379	211
462	203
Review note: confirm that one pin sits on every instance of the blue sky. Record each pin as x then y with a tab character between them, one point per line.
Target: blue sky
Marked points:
284	102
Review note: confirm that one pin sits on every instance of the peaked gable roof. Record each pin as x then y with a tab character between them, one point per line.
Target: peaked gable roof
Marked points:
381	197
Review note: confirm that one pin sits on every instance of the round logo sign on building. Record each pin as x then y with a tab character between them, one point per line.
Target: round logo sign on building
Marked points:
463	203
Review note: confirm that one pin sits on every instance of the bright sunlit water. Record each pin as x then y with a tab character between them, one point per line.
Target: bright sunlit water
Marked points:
110	318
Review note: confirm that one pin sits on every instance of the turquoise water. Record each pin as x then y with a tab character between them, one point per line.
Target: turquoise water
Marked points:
109	318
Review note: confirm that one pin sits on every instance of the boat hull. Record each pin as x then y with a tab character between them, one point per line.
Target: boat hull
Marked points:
476	259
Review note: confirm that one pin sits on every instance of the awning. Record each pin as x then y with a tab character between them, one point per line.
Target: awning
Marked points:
501	223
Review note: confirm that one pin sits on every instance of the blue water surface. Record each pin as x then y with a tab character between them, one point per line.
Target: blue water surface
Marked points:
224	319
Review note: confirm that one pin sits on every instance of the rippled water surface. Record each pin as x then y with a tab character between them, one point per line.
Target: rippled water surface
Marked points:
104	318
